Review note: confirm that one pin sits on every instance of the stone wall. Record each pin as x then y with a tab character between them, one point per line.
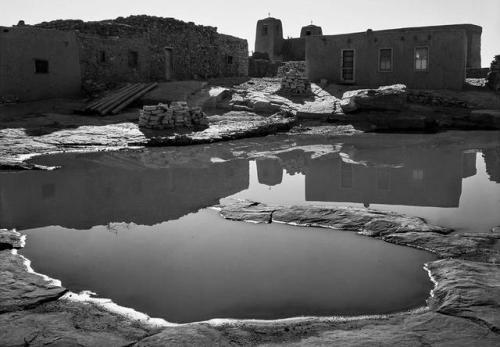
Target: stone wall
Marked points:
133	49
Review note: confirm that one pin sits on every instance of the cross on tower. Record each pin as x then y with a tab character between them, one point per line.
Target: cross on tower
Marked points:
269	14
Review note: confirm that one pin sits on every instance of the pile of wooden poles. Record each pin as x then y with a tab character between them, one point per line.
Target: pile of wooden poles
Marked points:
119	99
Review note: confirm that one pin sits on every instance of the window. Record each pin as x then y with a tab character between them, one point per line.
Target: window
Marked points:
102	56
264	30
421	59
385	60
229	60
308	33
347	71
133	59
41	66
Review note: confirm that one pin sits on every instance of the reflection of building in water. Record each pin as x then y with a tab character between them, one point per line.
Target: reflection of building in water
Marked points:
97	192
269	171
469	164
492	160
419	177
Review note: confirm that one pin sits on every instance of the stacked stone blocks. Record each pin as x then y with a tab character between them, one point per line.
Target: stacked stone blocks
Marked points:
176	115
295	83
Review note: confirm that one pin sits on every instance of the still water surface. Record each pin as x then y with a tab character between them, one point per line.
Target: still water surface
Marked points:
134	226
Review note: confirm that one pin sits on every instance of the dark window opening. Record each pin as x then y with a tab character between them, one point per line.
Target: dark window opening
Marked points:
385	60
41	66
308	33
229	60
102	56
264	30
133	59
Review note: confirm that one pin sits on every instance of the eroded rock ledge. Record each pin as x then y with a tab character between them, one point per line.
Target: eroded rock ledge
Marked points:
464	307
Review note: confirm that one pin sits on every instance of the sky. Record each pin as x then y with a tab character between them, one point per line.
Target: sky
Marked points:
239	18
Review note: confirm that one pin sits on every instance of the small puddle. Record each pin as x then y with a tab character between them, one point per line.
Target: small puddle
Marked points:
201	266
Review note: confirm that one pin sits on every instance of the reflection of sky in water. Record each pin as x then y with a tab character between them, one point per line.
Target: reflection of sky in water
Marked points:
201	266
477	211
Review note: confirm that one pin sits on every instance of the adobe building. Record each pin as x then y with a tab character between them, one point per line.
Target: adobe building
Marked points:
423	58
37	64
434	57
105	53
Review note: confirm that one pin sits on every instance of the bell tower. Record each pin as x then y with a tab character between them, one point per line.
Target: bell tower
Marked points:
269	37
311	30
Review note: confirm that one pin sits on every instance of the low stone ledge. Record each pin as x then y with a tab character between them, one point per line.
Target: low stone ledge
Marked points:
366	221
467	289
21	289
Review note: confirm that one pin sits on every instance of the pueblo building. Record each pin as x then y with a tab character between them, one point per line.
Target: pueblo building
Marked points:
432	57
62	57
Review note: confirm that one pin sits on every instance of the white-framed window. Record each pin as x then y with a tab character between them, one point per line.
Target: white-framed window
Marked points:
385	60
421	58
347	71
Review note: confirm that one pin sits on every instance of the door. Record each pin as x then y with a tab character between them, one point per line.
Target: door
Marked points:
168	63
348	63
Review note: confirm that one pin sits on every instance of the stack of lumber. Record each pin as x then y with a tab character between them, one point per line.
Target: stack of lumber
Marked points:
177	114
119	99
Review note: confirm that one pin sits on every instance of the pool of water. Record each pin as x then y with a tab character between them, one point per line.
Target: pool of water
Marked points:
134	226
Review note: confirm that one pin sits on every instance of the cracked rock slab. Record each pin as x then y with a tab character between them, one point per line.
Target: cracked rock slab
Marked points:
469	246
52	329
21	289
369	222
186	335
428	329
467	289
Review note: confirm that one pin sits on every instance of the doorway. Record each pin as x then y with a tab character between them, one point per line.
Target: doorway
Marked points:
169	67
347	66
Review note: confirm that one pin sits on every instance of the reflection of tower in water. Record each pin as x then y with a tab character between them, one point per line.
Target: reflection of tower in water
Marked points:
269	171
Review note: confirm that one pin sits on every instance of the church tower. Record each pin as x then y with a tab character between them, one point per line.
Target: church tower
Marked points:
311	30
269	37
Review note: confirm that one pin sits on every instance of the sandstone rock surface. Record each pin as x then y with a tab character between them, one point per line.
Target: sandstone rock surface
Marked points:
381	99
21	289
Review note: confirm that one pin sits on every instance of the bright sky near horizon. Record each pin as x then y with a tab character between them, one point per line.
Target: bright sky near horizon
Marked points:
238	18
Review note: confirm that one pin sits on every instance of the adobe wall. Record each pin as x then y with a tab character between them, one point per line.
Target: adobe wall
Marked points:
20	46
294	49
197	51
447	57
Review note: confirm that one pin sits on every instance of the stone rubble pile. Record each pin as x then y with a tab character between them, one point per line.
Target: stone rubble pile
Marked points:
177	114
494	74
296	83
288	66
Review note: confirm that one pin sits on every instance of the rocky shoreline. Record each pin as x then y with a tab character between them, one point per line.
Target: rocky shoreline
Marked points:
463	308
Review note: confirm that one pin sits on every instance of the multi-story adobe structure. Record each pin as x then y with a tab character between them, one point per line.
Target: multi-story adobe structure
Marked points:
432	57
58	58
